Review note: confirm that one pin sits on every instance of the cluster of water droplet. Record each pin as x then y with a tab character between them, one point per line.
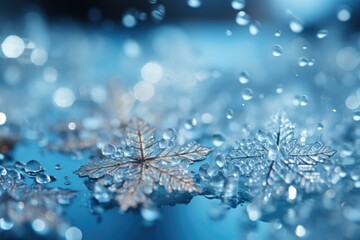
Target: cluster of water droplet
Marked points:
223	181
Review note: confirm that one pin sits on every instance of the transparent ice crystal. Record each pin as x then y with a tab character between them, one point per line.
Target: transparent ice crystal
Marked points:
141	165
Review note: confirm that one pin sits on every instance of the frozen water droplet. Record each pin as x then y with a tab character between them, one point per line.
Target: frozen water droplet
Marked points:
242	18
322	33
203	171
19	165
108	150
303	61
57	167
304	47
163	143
194	3
14	174
190	124
247	94
344	14
3	171
32	166
254	28
220	161
320	127
304	100
277	50
169	134
101	194
244	77
238	4
229	114
356	116
42	178
278	33
218	140
296	25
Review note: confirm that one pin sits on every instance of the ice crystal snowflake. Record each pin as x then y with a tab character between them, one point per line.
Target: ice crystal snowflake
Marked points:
22	204
142	163
275	157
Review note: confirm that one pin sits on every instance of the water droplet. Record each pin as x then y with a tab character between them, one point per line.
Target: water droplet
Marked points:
14	174
254	28
129	20
277	50
296	25
344	14
253	212
3	171
57	167
311	62
320	127
356	116
244	77
228	32
322	33
220	160
238	4
229	114
194	3
150	215
247	94
218	140
67	182
292	193
6	224
278	33
300	231
203	171
101	194
190	124
304	47
152	72
19	165
13	46
108	150
303	61
304	100
158	12
169	134
279	89
42	178
242	18
32	167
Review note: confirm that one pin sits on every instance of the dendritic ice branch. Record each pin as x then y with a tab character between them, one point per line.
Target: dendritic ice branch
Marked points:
141	163
275	157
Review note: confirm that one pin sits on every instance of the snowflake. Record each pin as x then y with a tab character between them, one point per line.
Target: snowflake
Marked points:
142	163
21	204
275	157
